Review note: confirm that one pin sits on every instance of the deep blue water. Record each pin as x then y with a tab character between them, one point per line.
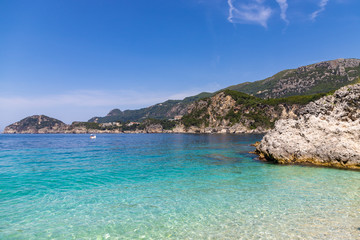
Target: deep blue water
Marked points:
167	186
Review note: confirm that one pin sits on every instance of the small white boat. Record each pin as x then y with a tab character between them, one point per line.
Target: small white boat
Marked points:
92	136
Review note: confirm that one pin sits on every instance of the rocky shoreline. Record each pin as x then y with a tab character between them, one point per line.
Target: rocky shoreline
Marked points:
151	129
327	133
41	124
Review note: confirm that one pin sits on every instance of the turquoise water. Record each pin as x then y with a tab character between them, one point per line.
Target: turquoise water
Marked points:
162	186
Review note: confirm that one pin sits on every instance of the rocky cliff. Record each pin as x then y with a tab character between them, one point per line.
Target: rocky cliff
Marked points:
327	133
235	112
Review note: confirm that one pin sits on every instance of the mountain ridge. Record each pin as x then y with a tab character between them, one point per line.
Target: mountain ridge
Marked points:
321	77
315	78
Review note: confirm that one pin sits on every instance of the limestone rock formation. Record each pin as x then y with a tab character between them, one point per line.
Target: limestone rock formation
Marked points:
327	133
237	113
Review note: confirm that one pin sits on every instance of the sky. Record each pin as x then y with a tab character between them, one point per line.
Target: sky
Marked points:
75	59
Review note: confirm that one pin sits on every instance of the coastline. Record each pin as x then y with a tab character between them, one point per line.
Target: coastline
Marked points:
150	129
136	132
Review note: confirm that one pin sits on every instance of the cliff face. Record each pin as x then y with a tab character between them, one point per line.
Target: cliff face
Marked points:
37	124
232	112
327	133
315	78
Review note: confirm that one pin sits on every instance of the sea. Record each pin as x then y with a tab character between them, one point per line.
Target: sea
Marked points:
167	186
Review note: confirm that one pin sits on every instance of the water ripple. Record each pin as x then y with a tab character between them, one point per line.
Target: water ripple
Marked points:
163	186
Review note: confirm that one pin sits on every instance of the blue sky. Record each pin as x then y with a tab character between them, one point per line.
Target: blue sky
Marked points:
73	60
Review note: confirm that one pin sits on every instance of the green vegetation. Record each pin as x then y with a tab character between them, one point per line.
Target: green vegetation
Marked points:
202	95
243	98
324	80
254	118
33	121
165	110
303	85
300	100
133	127
261	85
248	100
255	107
87	125
259	120
196	118
166	124
234	117
251	111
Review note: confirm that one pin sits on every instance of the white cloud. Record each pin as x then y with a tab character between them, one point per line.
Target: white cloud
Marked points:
254	12
283	7
322	5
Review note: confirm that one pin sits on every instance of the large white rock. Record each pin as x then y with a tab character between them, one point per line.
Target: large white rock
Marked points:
327	133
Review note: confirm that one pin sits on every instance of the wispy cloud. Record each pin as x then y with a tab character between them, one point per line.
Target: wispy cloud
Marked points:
257	12
93	98
322	5
283	7
254	12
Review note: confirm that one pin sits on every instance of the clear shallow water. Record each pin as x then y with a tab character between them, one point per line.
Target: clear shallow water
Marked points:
160	186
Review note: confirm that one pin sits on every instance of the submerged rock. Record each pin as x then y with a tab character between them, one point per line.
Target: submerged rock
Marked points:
327	133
